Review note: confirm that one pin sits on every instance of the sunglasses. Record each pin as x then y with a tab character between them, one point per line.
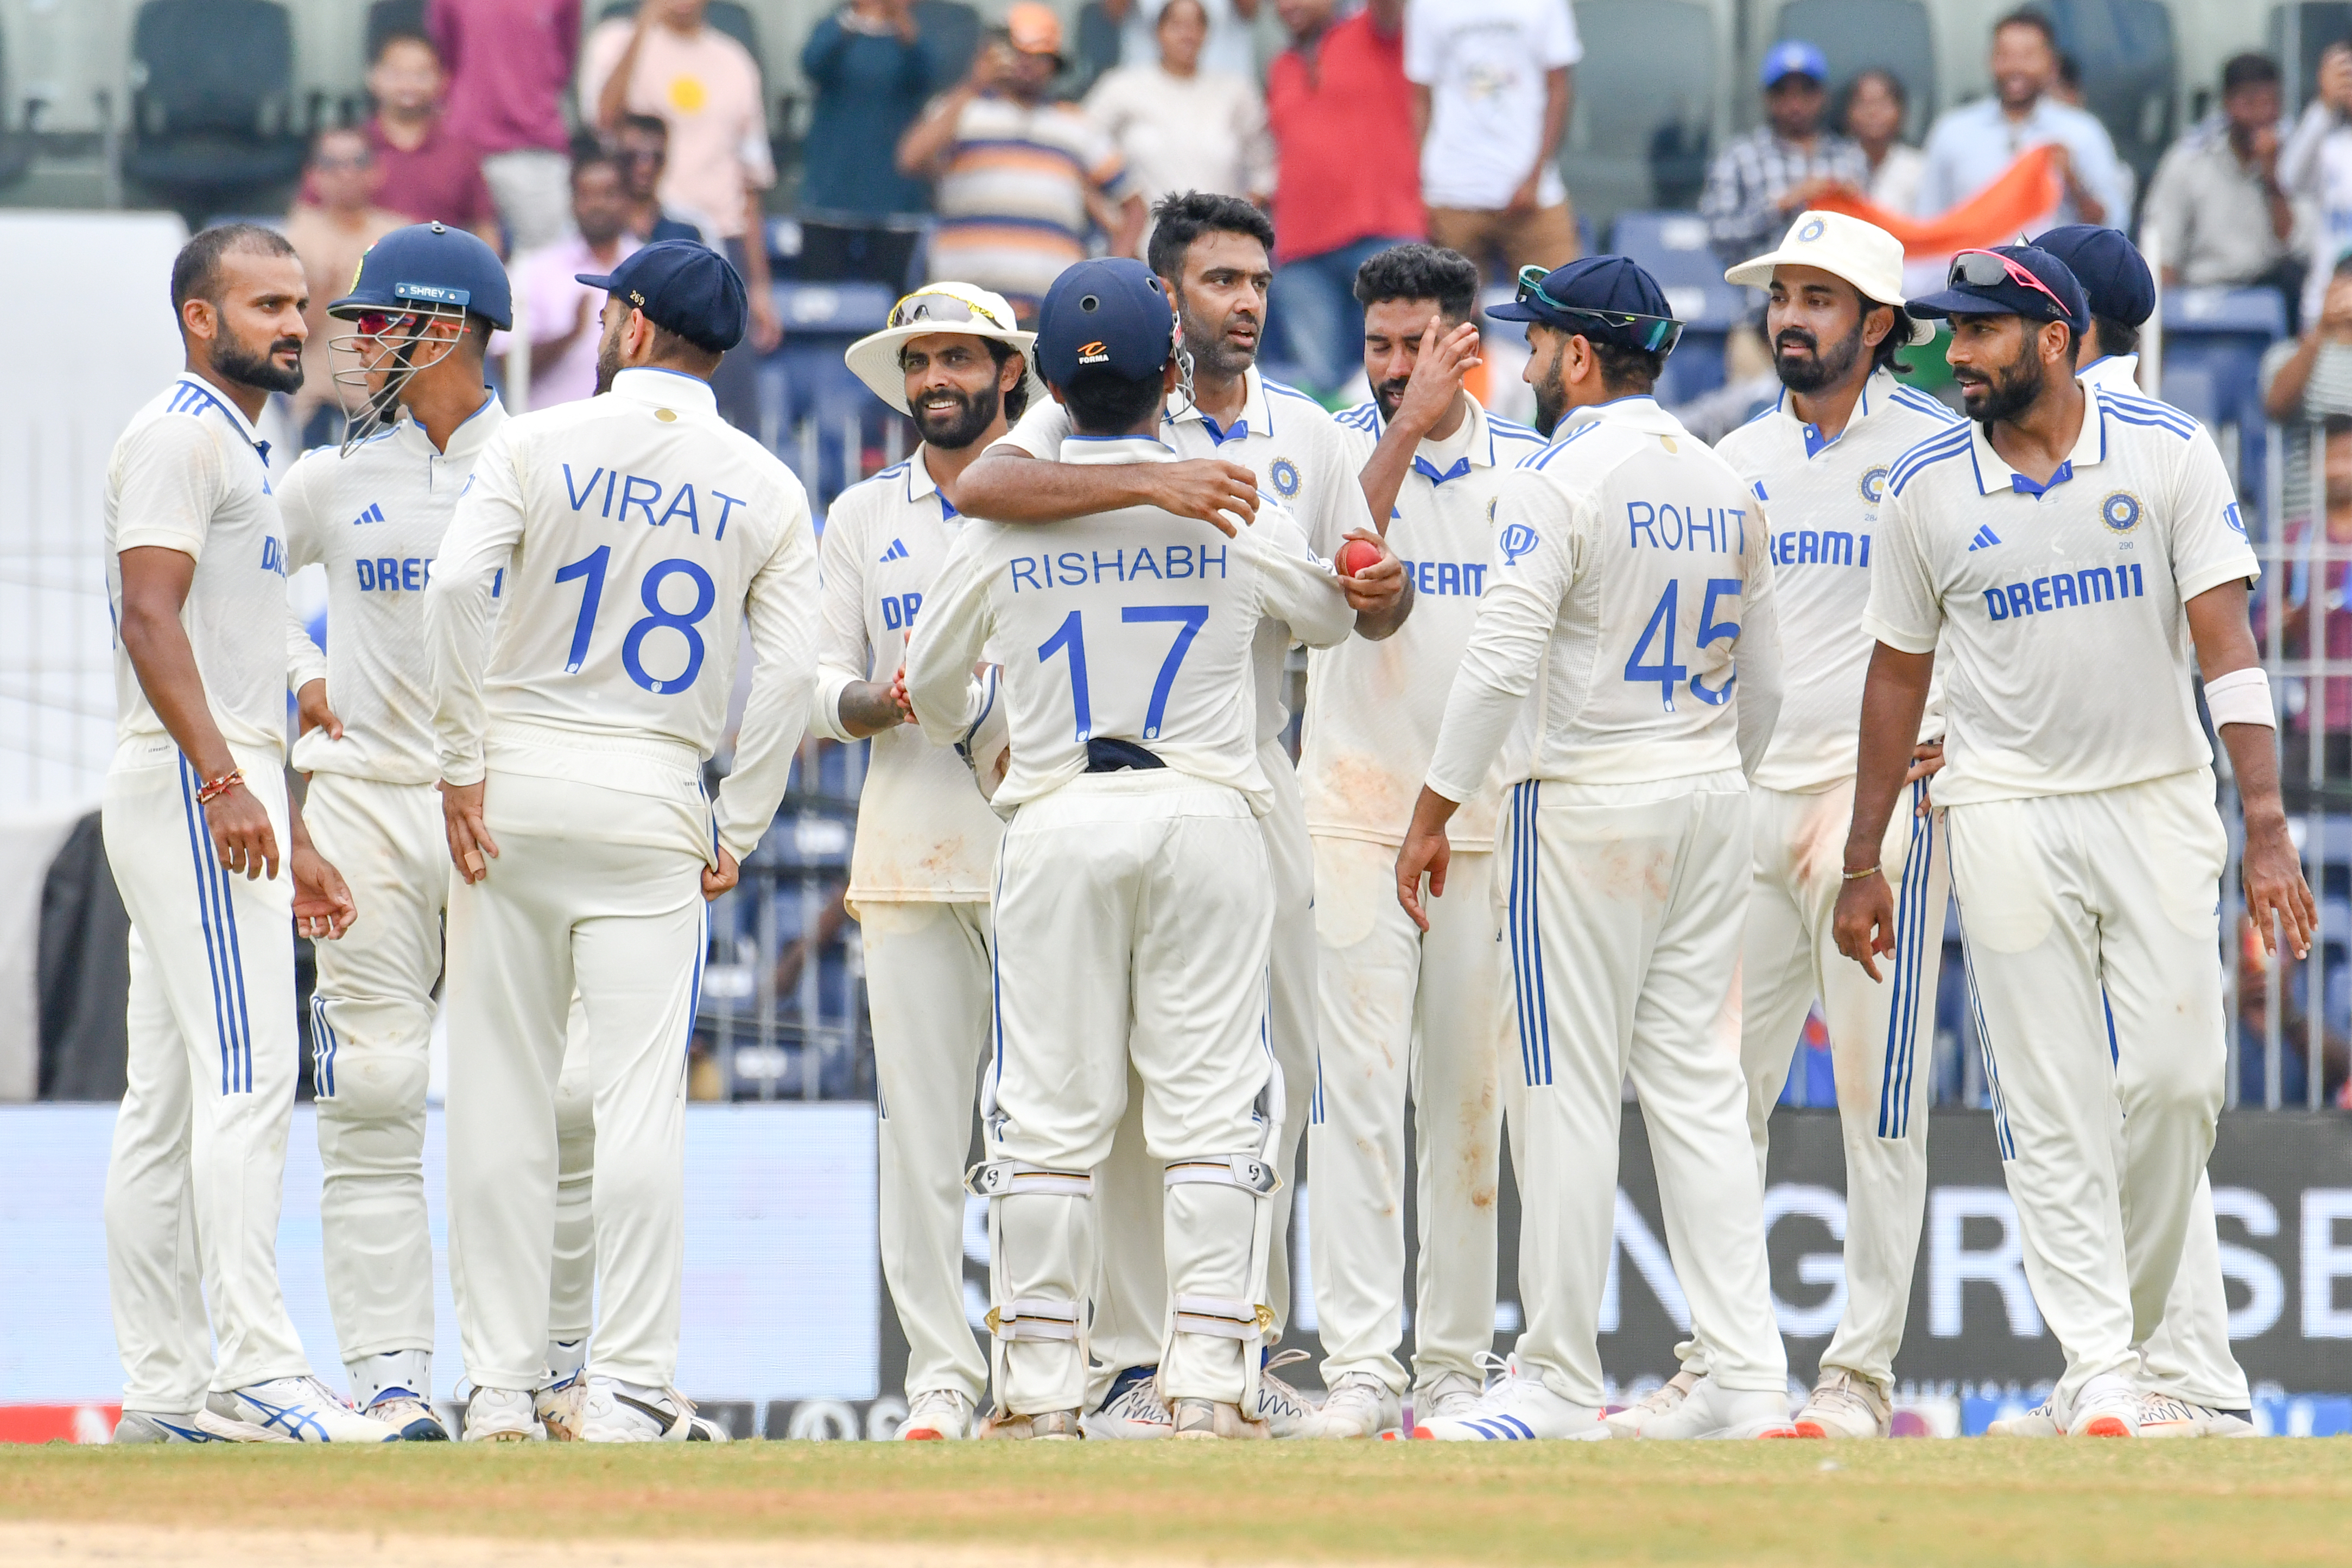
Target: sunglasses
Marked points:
1654	334
376	323
943	310
1989	269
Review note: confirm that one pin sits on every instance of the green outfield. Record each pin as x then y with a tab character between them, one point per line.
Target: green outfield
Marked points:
1908	1504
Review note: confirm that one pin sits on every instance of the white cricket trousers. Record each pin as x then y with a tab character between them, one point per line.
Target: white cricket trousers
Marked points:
1404	1013
1881	1034
1623	909
1132	915
198	1165
928	985
1131	1294
594	889
2092	933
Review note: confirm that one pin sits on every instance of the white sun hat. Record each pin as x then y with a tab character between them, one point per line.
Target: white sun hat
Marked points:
938	308
1861	253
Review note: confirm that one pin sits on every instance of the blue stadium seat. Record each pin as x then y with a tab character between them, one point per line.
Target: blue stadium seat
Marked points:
2126	50
1673	248
387	18
16	148
729	17
1856	36
2213	343
1645	92
212	115
820	320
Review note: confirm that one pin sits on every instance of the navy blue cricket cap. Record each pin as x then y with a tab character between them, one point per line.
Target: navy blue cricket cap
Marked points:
1997	293
1110	314
1591	297
429	265
2113	275
684	286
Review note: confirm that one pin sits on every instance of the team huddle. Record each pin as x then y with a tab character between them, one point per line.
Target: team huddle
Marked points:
1618	754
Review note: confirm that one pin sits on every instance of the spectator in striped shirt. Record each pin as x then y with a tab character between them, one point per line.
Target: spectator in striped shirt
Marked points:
1759	181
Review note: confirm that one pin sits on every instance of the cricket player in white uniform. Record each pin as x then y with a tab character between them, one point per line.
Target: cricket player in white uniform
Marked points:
1631	570
1134	904
1401	1013
1261	438
951	357
639	538
2190	1384
1819	459
2071	552
196	812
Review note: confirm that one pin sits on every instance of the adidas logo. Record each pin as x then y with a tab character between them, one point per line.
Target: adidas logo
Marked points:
374	514
1986	539
898	551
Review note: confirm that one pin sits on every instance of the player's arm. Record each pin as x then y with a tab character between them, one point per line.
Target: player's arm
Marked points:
949	636
1332	510
305	661
1757	653
1009	485
779	612
846	704
1435	382
1297	589
458	607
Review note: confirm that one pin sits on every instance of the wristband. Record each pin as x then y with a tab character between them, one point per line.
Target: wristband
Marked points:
1865	875
220	786
2241	696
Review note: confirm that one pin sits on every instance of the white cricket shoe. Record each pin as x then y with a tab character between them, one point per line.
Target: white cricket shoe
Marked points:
1667	1397
2109	1407
501	1416
1045	1427
204	1426
1213	1418
1517	1408
408	1414
1845	1404
2162	1415
618	1412
304	1409
557	1406
937	1415
1359	1406
1284	1410
2042	1421
1450	1393
1711	1410
1132	1411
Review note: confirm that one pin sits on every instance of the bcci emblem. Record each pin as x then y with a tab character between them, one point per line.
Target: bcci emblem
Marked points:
1284	474
1811	231
2235	518
1517	540
2120	511
1874	484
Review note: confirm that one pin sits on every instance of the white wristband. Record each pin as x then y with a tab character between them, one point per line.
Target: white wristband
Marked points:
2241	696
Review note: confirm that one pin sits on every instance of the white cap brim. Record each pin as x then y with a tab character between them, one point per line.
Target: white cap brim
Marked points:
874	359
1873	282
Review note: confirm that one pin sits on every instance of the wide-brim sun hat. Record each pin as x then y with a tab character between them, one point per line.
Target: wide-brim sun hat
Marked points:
1844	246
940	307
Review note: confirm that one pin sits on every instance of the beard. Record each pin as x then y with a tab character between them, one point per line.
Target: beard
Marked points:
1390	396
2006	392
240	364
1551	395
608	360
1809	372
953	429
1212	351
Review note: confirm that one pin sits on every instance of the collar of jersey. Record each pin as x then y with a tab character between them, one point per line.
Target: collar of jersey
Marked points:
665	389
1879	382
473	432
1481	450
920	481
2120	371
1101	449
1638	411
236	415
1997	478
1256	416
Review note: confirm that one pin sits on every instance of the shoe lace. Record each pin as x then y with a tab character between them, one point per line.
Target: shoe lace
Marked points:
1493	1369
1274	1393
1356	1393
941	1400
1838	1390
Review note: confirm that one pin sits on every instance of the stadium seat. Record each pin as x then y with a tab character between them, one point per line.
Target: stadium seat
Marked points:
212	111
386	18
2213	343
2314	27
729	16
1644	111
1856	36
15	146
952	30
823	402
1673	247
2126	50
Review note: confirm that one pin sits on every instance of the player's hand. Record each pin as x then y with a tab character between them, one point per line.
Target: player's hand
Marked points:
1437	372
310	708
2272	871
1523	198
1375	590
1926	761
870	708
241	834
767	327
322	901
1864	921
469	839
1209	489
717	879
1425	853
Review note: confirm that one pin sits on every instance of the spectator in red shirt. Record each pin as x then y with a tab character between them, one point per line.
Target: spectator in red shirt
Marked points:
428	174
1348	173
508	63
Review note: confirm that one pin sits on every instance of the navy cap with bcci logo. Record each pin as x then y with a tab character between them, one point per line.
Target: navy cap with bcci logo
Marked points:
1604	297
1109	314
686	287
429	268
2114	276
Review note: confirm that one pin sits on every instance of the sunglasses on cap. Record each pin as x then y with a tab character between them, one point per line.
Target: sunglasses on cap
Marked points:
1654	334
944	312
1989	269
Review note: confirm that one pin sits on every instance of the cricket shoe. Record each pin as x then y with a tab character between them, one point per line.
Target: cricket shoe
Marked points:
204	1426
2042	1421
1711	1410
557	1406
618	1412
501	1415
1658	1402
1044	1426
2109	1407
408	1414
1452	1394
1359	1406
1845	1404
2162	1415
1132	1410
1213	1418
936	1416
1284	1410
304	1409
1516	1408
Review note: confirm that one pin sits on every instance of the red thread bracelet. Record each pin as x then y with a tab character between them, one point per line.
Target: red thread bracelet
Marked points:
220	786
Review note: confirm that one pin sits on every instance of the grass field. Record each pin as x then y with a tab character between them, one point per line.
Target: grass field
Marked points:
1909	1504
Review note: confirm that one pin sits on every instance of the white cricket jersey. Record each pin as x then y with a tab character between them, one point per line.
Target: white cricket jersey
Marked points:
637	535
1374	708
2065	656
1630	567
189	474
375	520
2116	372
1302	458
924	832
1134	625
1825	498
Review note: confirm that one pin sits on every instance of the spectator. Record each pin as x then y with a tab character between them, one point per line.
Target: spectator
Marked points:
1875	107
2221	215
557	310
2308	379
429	176
2316	168
860	217
641	147
1971	145
1757	182
1230	49
1180	127
1340	111
508	62
2318	557
331	228
1491	86
1020	176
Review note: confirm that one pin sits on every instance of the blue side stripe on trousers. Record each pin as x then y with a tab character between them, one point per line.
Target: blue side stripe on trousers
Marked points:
232	978
324	1045
1527	938
2106	1005
2007	1141
1912	918
200	854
